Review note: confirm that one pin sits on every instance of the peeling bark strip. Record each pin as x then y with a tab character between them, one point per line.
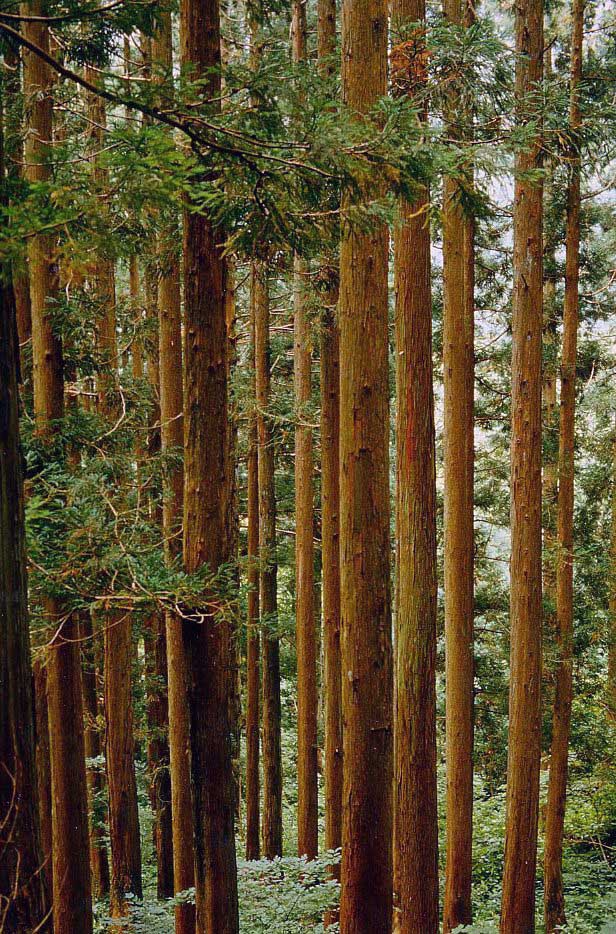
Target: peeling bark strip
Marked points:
518	900
561	721
416	828
72	899
365	906
207	537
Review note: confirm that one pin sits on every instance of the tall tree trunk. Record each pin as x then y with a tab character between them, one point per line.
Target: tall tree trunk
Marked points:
43	763
330	498
207	541
253	845
172	437
307	696
272	756
364	520
23	894
124	832
155	642
416	830
72	898
330	539
557	791
233	524
458	370
94	748
158	751
518	900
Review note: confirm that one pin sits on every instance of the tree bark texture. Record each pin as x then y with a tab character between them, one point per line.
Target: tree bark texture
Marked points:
172	439
24	902
416	830
518	899
72	899
365	906
458	374
307	695
208	644
561	719
330	498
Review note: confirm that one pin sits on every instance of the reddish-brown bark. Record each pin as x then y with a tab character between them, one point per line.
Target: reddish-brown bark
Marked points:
518	899
72	901
458	372
172	439
307	695
366	894
554	901
208	643
330	500
416	829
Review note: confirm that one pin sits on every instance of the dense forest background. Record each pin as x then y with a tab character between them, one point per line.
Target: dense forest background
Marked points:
307	462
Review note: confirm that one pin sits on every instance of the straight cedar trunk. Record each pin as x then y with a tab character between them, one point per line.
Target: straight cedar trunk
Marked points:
253	680
365	906
72	897
172	439
458	371
23	894
172	434
99	861
253	641
43	764
518	899
307	691
155	649
307	694
549	407
233	524
330	499
124	835
208	644
330	544
272	755
561	720
416	830
155	642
